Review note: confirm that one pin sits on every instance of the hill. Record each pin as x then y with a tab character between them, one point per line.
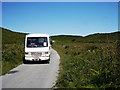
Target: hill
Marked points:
10	37
92	61
86	62
12	49
92	38
103	37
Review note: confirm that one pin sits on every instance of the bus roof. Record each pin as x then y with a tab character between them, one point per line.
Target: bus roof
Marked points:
37	35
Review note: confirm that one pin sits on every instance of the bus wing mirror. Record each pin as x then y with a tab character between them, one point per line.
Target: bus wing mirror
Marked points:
51	42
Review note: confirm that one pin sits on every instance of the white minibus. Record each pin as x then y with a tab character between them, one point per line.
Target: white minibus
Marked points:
37	47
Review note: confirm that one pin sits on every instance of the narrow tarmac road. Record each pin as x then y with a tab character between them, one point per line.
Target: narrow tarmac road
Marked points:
42	75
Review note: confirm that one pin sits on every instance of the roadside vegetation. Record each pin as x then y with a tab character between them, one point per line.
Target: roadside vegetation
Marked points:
12	49
86	62
89	62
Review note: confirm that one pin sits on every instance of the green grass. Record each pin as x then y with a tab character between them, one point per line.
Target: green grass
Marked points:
12	56
12	49
94	38
85	62
88	65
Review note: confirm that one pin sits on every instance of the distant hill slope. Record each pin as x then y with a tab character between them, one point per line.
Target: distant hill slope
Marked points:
92	38
10	37
106	37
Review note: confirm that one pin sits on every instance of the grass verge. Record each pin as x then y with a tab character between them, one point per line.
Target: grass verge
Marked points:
88	65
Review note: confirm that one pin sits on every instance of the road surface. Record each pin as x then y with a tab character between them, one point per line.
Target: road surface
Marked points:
40	75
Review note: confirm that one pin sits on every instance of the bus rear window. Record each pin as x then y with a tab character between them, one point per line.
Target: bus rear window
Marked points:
37	42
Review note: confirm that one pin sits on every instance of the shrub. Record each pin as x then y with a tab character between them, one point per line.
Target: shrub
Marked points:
66	47
91	48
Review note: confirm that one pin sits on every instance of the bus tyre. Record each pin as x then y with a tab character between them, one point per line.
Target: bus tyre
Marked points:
24	61
48	61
